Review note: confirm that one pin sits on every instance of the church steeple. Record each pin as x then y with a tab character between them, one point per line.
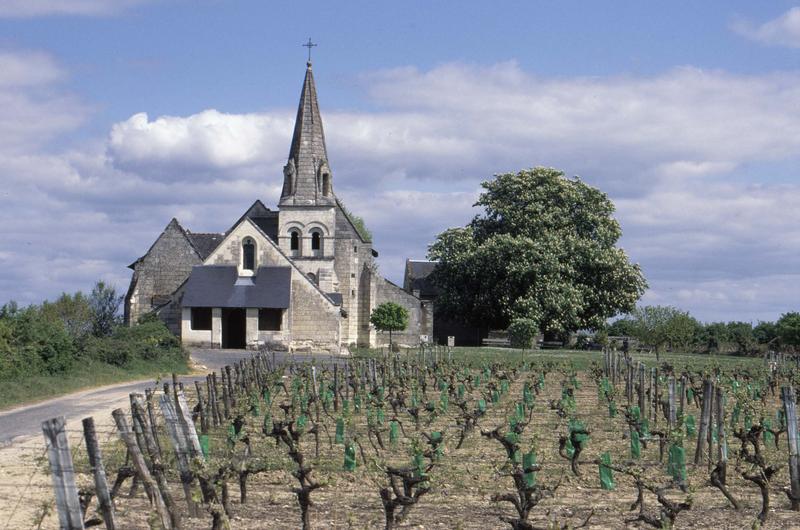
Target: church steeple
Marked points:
307	176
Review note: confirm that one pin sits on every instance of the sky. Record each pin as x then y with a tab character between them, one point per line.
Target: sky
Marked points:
118	115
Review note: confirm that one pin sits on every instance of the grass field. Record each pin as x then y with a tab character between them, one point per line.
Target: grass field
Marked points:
583	359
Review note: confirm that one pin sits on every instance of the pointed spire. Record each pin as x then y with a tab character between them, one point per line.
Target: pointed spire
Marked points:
307	176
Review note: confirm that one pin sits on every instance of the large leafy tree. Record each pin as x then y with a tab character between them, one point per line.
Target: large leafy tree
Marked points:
543	248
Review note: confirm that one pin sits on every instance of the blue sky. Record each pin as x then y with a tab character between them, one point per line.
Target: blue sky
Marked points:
122	114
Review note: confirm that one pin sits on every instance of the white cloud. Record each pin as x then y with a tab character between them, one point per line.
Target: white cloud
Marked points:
35	8
664	146
781	31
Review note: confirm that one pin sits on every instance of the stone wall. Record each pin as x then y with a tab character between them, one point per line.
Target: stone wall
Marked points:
313	321
420	314
159	272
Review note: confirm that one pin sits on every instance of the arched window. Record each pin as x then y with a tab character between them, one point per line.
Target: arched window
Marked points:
248	255
294	244
316	242
312	277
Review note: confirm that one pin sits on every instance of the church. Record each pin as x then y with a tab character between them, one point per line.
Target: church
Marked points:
302	278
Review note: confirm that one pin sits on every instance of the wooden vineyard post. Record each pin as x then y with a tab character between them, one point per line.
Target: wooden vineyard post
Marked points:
336	387
704	431
99	473
682	394
182	452
790	407
656	397
722	442
641	390
141	468
672	410
157	469
151	414
70	515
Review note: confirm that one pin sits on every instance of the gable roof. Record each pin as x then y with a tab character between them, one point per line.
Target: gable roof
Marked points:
172	225
289	260
205	243
220	286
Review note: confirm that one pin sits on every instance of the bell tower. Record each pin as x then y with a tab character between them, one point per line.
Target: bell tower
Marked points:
307	218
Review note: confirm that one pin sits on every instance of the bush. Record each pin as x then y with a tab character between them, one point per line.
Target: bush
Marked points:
521	332
149	340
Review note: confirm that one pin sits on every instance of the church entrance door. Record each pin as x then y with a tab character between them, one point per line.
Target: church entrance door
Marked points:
233	327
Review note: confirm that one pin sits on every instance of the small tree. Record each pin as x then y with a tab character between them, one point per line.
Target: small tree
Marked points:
521	333
104	303
389	317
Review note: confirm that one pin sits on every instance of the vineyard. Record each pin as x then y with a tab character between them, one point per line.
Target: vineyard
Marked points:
423	439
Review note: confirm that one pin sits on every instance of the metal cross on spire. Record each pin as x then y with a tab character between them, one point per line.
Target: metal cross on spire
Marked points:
309	45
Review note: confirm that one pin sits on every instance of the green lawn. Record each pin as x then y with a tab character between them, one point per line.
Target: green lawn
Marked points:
583	359
89	374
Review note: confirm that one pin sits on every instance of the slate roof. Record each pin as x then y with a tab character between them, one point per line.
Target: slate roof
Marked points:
220	286
205	243
417	278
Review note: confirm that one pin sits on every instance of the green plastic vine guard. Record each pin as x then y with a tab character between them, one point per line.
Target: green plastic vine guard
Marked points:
676	464
349	457
357	403
612	409
495	396
606	476
380	416
636	446
339	431
301	422
541	381
461	390
528	461
394	432
419	464
691	426
267	397
231	435
768	436
748	422
568	448
442	385
437	441
482	405
346	406
204	445
689	395
504	386
444	401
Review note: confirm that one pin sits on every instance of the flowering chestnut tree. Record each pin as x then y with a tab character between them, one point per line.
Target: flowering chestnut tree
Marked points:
543	248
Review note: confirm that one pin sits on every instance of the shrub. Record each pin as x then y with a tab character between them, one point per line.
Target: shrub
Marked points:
521	332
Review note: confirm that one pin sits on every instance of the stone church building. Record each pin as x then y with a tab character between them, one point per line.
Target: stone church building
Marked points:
302	278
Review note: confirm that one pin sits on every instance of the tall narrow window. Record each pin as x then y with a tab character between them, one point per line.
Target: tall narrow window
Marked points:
248	255
294	243
316	241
